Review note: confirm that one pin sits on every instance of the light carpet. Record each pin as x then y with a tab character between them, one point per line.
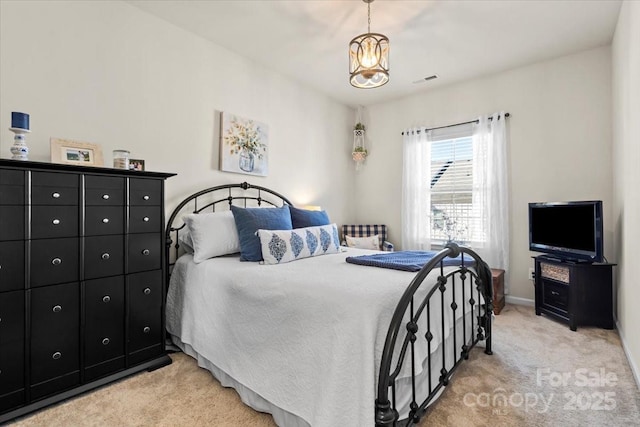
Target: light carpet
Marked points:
541	374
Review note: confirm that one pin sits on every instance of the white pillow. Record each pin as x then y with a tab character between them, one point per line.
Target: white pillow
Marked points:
185	240
212	234
280	246
370	242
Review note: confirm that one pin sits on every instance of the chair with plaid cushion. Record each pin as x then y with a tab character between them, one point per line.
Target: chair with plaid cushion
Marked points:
368	230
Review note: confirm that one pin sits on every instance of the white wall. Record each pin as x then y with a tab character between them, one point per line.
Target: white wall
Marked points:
108	73
626	178
560	143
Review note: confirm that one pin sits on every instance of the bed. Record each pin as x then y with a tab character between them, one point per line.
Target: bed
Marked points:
318	341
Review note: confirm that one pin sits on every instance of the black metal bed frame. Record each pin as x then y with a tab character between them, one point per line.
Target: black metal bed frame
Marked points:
407	315
472	272
270	197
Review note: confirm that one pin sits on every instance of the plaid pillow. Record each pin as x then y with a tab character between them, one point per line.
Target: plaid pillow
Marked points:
366	230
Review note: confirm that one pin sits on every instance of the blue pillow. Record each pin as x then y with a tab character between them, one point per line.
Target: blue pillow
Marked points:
249	220
302	218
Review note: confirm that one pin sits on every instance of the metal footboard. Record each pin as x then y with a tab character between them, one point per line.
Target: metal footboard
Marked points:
470	283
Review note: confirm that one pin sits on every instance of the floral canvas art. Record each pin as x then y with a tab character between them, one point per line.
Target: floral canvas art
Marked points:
244	145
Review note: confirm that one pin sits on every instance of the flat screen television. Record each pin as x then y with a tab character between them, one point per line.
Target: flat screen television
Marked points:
567	230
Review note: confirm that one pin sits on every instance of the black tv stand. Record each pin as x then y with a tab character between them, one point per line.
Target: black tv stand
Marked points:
567	260
578	293
550	258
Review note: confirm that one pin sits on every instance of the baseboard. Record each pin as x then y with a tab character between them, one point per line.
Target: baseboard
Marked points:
634	368
519	301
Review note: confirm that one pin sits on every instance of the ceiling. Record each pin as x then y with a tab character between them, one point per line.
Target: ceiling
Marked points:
458	40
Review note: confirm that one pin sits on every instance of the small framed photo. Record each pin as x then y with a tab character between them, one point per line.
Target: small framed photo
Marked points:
75	152
136	164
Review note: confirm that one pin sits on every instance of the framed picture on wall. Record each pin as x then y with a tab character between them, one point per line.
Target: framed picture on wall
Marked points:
244	145
75	152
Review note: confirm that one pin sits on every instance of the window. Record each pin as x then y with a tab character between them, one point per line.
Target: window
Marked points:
455	188
453	217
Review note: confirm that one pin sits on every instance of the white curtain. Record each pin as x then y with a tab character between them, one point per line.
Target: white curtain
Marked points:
416	185
490	188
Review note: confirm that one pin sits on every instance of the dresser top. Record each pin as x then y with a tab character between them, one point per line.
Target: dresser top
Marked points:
21	164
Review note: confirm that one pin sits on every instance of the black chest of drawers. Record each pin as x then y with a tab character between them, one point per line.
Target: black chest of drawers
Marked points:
81	280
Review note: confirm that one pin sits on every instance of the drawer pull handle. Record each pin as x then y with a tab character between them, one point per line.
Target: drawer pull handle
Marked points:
146	329
56	195
57	309
105	196
57	355
56	221
105	341
145	252
145	197
145	219
106	256
106	298
555	293
56	261
105	221
147	291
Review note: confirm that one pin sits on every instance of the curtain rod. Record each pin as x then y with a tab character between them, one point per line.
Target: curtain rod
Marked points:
458	124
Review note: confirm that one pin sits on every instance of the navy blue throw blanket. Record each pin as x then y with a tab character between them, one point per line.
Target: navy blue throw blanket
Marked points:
406	260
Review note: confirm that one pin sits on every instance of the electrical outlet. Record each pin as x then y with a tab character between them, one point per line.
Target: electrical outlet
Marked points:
532	274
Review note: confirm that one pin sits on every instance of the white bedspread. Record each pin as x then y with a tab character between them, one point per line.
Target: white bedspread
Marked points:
306	336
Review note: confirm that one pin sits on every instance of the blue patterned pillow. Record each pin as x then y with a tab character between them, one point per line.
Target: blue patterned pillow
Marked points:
301	218
280	246
250	220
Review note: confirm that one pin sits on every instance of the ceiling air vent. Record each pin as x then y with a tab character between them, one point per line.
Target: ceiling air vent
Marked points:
426	79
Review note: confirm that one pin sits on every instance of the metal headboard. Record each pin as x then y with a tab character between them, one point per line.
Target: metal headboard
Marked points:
212	199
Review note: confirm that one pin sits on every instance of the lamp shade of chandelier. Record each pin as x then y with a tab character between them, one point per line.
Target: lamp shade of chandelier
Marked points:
369	58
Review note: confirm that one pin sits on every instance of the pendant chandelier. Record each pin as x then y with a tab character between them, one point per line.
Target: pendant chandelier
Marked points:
369	57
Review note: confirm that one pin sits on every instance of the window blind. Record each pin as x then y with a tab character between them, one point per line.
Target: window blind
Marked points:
453	216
